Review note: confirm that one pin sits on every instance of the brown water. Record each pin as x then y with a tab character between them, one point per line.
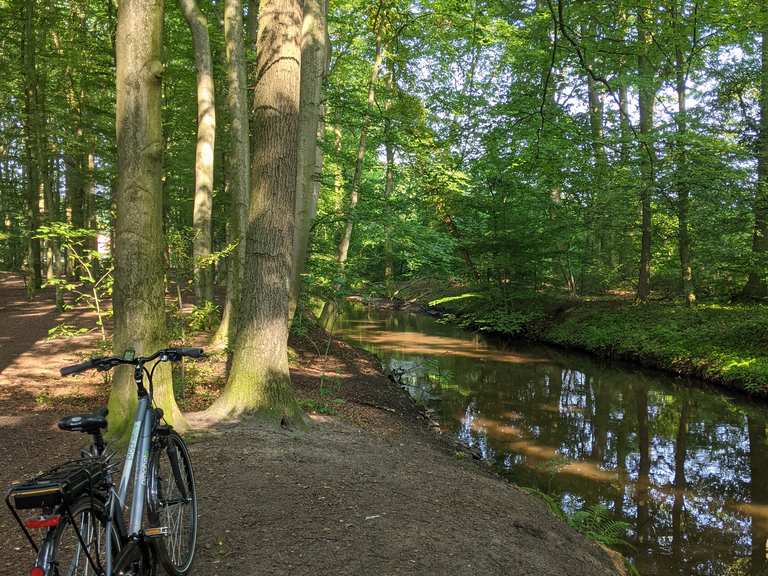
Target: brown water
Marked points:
684	465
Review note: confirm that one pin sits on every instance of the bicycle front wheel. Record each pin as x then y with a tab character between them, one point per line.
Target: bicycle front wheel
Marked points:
172	502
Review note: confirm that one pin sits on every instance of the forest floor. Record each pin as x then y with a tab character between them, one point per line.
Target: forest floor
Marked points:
367	488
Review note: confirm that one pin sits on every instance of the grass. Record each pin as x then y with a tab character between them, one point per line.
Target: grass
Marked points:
725	344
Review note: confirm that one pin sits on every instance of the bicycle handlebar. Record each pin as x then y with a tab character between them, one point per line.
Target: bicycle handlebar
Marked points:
108	362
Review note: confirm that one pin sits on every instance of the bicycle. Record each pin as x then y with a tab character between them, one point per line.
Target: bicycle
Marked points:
82	509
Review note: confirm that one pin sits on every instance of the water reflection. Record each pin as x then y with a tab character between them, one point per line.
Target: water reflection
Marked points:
687	468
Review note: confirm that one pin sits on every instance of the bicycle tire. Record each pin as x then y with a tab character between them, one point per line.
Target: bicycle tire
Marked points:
68	558
172	503
136	559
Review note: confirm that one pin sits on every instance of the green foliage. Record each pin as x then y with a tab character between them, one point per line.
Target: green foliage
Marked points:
203	317
90	281
65	331
595	522
719	342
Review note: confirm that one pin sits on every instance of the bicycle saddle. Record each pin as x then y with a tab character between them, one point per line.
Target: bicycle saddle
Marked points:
88	423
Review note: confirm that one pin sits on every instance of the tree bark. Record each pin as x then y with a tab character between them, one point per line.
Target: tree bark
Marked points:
329	308
204	154
33	148
237	167
389	181
681	165
756	286
314	62
647	97
138	302
259	379
252	31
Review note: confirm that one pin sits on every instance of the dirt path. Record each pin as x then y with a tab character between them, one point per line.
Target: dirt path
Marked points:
367	490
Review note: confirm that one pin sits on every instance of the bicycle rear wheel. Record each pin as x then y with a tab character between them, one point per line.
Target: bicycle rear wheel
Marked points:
70	556
172	502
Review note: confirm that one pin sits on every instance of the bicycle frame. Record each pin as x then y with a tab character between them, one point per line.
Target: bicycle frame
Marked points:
136	466
138	453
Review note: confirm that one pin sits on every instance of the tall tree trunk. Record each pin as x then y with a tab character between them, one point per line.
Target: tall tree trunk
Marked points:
32	143
647	97
259	378
237	167
681	165
599	197
756	286
206	136
329	309
624	131
252	31
138	304
389	181
314	61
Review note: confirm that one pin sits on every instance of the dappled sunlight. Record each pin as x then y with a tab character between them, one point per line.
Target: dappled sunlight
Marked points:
572	428
589	471
420	343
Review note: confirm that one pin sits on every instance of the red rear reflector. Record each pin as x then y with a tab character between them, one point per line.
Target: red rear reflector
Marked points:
49	522
37	571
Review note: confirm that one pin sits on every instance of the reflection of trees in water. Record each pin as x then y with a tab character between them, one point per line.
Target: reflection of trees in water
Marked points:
759	495
475	436
680	459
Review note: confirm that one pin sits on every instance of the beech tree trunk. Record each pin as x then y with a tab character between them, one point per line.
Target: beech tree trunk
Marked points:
259	379
237	166
329	308
138	302
33	147
647	93
389	182
756	286
681	165
206	136
314	61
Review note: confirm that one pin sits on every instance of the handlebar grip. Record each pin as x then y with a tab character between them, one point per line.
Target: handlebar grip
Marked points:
76	368
191	352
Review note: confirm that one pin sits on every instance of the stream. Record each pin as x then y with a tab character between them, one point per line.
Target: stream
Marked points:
685	465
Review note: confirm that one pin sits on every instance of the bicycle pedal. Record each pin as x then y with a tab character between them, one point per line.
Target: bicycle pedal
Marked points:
156	532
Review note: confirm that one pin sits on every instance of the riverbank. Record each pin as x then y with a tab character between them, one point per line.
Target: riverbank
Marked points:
722	344
368	488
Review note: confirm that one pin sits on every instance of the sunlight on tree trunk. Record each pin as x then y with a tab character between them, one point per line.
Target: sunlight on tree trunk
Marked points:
756	286
314	60
237	166
32	146
259	379
647	92
139	306
206	136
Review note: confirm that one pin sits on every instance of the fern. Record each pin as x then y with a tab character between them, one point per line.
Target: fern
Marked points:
594	522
